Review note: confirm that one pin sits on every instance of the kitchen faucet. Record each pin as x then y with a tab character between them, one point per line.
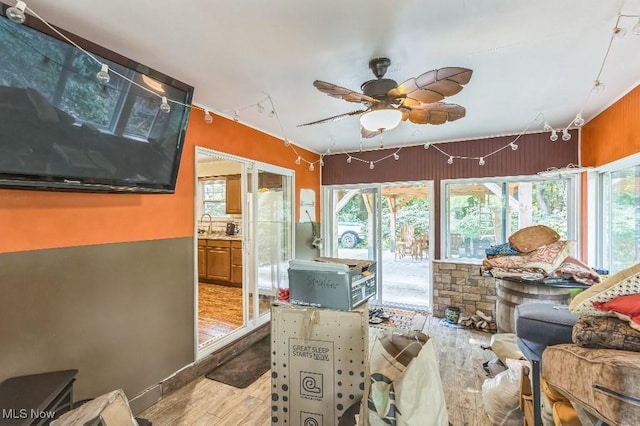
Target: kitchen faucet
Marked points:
202	217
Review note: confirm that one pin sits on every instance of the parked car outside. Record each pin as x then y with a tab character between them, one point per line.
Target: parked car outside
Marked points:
351	233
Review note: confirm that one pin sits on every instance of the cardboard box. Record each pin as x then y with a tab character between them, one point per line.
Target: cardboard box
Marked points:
331	282
318	364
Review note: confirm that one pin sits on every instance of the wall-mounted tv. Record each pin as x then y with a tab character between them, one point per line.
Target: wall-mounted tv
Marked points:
62	129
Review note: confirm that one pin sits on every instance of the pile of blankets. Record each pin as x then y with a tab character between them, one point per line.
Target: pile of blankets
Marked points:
536	253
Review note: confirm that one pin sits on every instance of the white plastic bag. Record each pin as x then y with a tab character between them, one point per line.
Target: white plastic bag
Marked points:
501	395
405	388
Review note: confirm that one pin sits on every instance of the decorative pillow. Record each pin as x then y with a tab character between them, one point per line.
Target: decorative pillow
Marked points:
622	283
627	308
530	238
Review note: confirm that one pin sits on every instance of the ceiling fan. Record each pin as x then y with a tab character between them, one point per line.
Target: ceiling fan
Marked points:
416	99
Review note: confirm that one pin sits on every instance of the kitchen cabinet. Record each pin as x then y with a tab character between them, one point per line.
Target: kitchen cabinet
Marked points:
234	194
202	258
236	262
220	261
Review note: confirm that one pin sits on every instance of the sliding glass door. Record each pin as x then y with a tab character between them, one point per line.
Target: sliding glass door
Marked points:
253	262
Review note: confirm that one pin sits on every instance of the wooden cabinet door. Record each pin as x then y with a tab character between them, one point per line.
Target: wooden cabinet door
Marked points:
218	263
236	262
202	261
234	195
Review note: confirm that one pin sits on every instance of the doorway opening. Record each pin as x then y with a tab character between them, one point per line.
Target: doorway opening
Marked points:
390	223
244	221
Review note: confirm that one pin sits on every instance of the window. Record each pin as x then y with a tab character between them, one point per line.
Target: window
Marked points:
479	214
214	193
620	219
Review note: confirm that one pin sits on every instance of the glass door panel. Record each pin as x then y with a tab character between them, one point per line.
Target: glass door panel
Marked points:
273	234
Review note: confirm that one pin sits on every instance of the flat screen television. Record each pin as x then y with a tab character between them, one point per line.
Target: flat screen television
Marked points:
61	129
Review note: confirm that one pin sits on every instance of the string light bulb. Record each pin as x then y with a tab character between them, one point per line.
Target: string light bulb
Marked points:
321	162
450	160
619	32
371	166
598	86
286	142
208	118
396	156
16	13
554	136
636	29
426	145
349	159
514	147
311	167
579	121
298	160
236	115
481	161
547	127
103	75
164	106
566	135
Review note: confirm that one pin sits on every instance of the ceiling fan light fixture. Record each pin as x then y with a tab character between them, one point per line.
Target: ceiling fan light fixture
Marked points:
381	119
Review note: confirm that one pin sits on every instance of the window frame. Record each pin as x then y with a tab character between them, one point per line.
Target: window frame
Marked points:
573	207
596	205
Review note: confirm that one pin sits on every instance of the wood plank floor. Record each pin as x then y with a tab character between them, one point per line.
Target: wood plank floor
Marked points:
219	310
206	402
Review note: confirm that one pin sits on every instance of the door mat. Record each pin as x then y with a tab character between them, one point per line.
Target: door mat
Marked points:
246	367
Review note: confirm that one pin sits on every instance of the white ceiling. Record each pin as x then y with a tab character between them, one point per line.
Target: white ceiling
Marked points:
527	56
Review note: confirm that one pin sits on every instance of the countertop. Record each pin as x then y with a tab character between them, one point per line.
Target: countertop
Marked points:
221	237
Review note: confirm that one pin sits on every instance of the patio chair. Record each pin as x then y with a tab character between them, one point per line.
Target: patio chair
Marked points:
420	247
404	243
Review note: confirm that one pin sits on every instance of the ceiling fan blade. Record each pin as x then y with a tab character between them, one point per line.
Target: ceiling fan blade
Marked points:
438	113
343	93
433	86
334	118
369	133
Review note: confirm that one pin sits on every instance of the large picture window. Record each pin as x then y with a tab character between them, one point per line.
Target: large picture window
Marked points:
478	214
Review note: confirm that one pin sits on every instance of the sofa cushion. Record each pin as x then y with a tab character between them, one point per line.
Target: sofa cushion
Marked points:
603	381
605	333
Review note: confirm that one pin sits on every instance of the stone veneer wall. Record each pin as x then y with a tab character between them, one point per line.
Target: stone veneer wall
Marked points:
461	285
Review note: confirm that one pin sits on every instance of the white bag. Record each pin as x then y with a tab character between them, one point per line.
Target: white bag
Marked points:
501	395
405	387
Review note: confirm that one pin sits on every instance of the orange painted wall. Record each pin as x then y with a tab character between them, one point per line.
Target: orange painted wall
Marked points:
31	220
614	133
